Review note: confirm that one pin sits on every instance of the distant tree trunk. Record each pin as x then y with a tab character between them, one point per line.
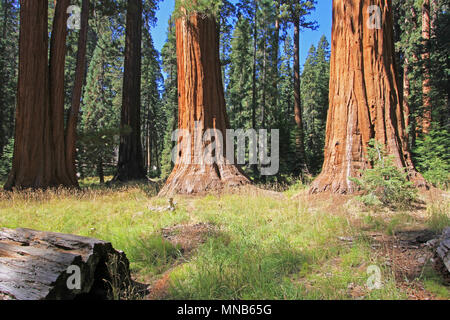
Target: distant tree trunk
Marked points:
100	171
264	87
255	39
254	167
38	152
80	74
5	79
406	92
131	160
201	108
301	167
364	97
276	52
426	118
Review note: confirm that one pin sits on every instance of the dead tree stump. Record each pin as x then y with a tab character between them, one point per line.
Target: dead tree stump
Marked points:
38	265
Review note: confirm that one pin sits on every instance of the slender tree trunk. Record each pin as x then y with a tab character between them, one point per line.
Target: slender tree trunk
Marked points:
276	52
131	160
365	102
406	92
264	87
301	167
201	108
100	172
426	84
254	167
80	74
4	77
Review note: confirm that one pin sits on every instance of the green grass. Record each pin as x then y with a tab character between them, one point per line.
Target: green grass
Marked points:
265	248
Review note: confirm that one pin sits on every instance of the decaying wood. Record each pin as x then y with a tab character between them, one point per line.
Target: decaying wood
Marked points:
443	250
34	265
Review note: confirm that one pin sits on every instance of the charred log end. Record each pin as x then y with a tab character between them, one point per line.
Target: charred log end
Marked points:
38	265
441	250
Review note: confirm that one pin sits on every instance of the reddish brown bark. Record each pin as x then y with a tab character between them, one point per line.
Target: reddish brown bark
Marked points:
426	118
39	150
201	99
364	97
131	160
56	89
72	122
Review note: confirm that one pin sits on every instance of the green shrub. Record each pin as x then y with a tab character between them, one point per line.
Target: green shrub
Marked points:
432	157
6	159
385	183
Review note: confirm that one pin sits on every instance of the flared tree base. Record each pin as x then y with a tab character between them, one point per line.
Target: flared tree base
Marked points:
201	179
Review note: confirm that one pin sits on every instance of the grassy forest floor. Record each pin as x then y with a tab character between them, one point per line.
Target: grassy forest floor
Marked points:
250	245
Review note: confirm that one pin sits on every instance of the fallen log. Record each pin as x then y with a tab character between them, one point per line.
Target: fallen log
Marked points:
37	265
443	250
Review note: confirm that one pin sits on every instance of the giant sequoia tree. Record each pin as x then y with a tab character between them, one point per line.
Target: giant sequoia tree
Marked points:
39	151
131	161
201	108
364	95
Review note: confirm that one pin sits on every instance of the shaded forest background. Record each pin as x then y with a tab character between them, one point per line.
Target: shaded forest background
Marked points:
258	57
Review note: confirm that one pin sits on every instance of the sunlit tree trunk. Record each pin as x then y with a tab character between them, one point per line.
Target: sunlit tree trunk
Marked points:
201	101
426	118
364	96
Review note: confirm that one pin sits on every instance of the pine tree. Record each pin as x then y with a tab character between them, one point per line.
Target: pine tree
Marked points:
315	79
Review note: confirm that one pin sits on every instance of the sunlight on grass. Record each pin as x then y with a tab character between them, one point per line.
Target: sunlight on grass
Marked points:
264	248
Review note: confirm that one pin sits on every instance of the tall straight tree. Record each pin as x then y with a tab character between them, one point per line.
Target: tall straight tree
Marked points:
201	106
426	116
56	88
80	75
365	102
295	12
39	149
131	160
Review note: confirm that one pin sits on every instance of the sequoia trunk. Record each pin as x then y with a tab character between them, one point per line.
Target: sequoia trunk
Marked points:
39	150
72	122
426	118
131	160
56	89
201	108
364	96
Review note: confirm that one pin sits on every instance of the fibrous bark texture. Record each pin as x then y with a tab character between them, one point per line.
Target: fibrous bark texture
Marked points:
426	118
201	108
365	102
131	160
39	150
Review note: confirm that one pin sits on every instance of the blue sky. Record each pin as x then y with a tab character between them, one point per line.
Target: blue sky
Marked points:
322	14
